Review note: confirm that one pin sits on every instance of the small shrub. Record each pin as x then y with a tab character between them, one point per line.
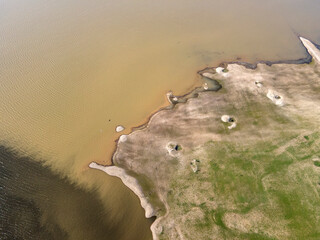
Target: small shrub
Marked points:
316	163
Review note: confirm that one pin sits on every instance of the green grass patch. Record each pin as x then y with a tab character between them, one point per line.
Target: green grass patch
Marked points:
316	163
244	177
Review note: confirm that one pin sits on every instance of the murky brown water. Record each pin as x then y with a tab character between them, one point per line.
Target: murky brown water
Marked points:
38	204
70	71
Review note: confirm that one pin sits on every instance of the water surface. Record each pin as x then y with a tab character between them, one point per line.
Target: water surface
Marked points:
38	204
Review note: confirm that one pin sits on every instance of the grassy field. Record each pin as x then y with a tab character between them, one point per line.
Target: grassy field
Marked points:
262	190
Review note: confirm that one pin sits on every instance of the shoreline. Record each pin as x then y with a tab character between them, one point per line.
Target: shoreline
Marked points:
132	183
248	65
128	181
305	60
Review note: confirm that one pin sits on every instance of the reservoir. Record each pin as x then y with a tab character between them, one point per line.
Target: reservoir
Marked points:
71	71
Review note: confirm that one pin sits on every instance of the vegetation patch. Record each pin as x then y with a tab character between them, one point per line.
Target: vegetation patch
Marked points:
316	163
246	178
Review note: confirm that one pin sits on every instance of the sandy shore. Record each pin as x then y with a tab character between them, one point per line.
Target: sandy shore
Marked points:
313	51
130	182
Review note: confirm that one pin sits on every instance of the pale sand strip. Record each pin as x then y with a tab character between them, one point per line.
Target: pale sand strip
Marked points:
312	49
130	182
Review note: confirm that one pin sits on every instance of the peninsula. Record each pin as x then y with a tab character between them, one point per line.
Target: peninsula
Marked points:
238	158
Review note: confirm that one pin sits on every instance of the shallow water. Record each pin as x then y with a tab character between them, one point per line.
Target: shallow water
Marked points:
38	204
71	71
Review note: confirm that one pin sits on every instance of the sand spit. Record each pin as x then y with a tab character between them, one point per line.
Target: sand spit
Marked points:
130	182
193	123
312	49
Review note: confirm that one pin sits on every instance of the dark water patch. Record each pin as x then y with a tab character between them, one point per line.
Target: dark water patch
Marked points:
38	204
253	66
304	60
